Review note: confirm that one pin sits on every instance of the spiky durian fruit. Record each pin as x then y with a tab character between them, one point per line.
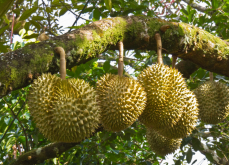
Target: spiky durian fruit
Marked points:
187	121
75	111
160	144
213	99
121	99
40	101
165	88
63	110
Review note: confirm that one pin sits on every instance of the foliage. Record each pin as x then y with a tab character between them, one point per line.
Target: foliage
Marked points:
129	146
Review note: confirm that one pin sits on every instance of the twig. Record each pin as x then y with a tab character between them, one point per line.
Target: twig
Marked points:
23	128
73	12
47	14
79	15
11	123
12	29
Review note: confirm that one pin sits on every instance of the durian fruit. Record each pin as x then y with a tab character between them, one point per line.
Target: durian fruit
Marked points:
121	100
75	111
166	90
187	122
160	144
40	102
63	110
213	99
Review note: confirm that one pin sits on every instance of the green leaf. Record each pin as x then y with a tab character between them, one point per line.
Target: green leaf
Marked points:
219	153
201	73
28	13
7	120
63	11
127	136
31	36
10	143
36	24
3	29
5	6
185	12
167	61
48	9
17	11
38	18
108	4
113	137
138	55
196	144
209	157
189	155
215	4
96	14
178	162
4	48
106	66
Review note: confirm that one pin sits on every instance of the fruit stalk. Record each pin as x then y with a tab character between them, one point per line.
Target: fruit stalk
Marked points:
211	76
120	60
159	48
61	51
174	61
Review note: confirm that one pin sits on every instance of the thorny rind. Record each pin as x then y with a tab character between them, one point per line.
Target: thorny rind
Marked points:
137	32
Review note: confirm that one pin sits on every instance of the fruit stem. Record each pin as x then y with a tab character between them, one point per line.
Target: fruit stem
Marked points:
211	76
120	60
159	48
61	51
174	61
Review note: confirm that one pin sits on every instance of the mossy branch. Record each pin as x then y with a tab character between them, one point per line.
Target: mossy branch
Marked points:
185	41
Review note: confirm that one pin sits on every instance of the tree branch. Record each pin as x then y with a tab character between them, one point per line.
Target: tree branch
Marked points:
185	41
195	6
49	151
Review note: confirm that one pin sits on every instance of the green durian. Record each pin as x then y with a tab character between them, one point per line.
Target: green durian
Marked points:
187	122
213	99
160	144
40	101
71	109
166	90
121	100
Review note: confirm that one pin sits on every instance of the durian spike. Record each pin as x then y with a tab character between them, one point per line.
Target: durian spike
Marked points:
211	76
120	60
159	48
61	51
174	61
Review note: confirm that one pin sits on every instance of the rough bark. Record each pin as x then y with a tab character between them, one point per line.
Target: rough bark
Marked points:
137	32
49	151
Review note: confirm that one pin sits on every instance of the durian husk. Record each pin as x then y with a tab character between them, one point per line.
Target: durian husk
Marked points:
121	100
63	110
40	102
166	90
213	99
187	121
160	144
76	114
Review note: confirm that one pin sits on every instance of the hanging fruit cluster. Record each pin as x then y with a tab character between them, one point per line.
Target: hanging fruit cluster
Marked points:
70	110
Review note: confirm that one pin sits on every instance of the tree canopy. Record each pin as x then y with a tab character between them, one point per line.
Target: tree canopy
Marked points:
194	31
